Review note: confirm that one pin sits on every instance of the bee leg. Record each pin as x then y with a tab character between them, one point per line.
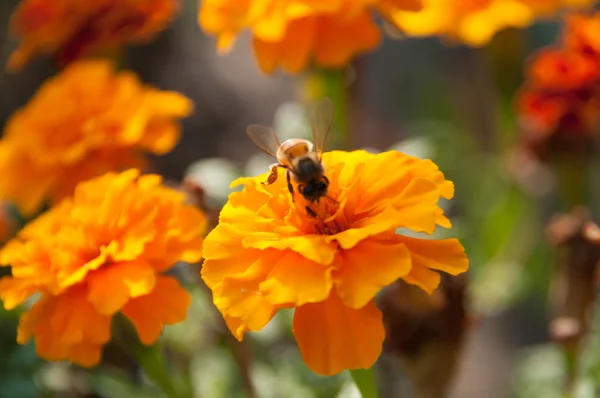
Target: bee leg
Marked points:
326	179
311	212
273	176
289	183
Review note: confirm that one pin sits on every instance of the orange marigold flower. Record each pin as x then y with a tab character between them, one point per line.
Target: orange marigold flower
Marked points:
559	103
102	252
476	21
82	123
267	253
581	33
540	113
292	33
562	70
69	29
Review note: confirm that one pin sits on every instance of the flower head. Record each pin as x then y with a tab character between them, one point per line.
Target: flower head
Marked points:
69	29
560	101
101	252
292	33
86	121
476	21
267	253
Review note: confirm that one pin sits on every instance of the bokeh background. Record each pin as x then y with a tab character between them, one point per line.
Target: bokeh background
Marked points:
427	98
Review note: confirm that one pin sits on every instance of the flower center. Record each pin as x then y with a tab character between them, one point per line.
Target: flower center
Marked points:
328	228
328	218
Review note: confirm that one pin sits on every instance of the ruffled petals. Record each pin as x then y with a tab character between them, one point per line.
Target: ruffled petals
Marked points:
333	337
367	268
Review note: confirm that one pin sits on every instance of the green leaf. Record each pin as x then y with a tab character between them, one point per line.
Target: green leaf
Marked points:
365	381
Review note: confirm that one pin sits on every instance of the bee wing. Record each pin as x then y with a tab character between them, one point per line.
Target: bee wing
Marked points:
265	138
322	117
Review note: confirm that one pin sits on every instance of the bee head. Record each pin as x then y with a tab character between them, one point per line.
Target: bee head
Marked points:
314	191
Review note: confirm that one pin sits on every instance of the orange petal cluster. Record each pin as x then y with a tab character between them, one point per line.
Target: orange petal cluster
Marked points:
69	29
291	33
101	252
561	98
475	22
80	124
267	253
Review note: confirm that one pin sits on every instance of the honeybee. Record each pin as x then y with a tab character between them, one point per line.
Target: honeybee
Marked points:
301	158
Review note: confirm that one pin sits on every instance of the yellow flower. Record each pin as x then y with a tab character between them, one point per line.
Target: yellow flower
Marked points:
82	123
69	29
267	253
102	252
476	21
291	33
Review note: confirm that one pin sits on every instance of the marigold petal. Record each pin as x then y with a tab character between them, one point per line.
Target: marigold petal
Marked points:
74	320
291	51
367	268
417	206
386	220
259	313
28	321
296	280
236	326
46	348
224	255
266	54
239	297
80	273
133	241
442	220
333	337
83	354
446	255
111	287
86	355
315	248
340	39
14	291
167	304
423	277
386	189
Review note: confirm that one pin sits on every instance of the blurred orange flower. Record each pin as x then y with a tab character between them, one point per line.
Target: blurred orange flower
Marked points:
476	21
267	253
581	33
561	98
101	252
291	33
82	123
69	29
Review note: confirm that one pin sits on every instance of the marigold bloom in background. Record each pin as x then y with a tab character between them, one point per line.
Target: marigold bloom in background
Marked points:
561	98
290	34
476	21
103	251
80	124
267	253
69	29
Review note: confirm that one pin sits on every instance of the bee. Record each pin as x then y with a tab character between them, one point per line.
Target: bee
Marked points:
301	158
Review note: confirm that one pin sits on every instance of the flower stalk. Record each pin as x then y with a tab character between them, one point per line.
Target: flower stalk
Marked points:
151	360
365	381
332	83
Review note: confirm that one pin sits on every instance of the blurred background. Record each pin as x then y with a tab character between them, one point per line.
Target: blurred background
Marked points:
426	98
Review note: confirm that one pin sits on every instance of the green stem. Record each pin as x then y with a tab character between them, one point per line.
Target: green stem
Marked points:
332	83
150	359
365	381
